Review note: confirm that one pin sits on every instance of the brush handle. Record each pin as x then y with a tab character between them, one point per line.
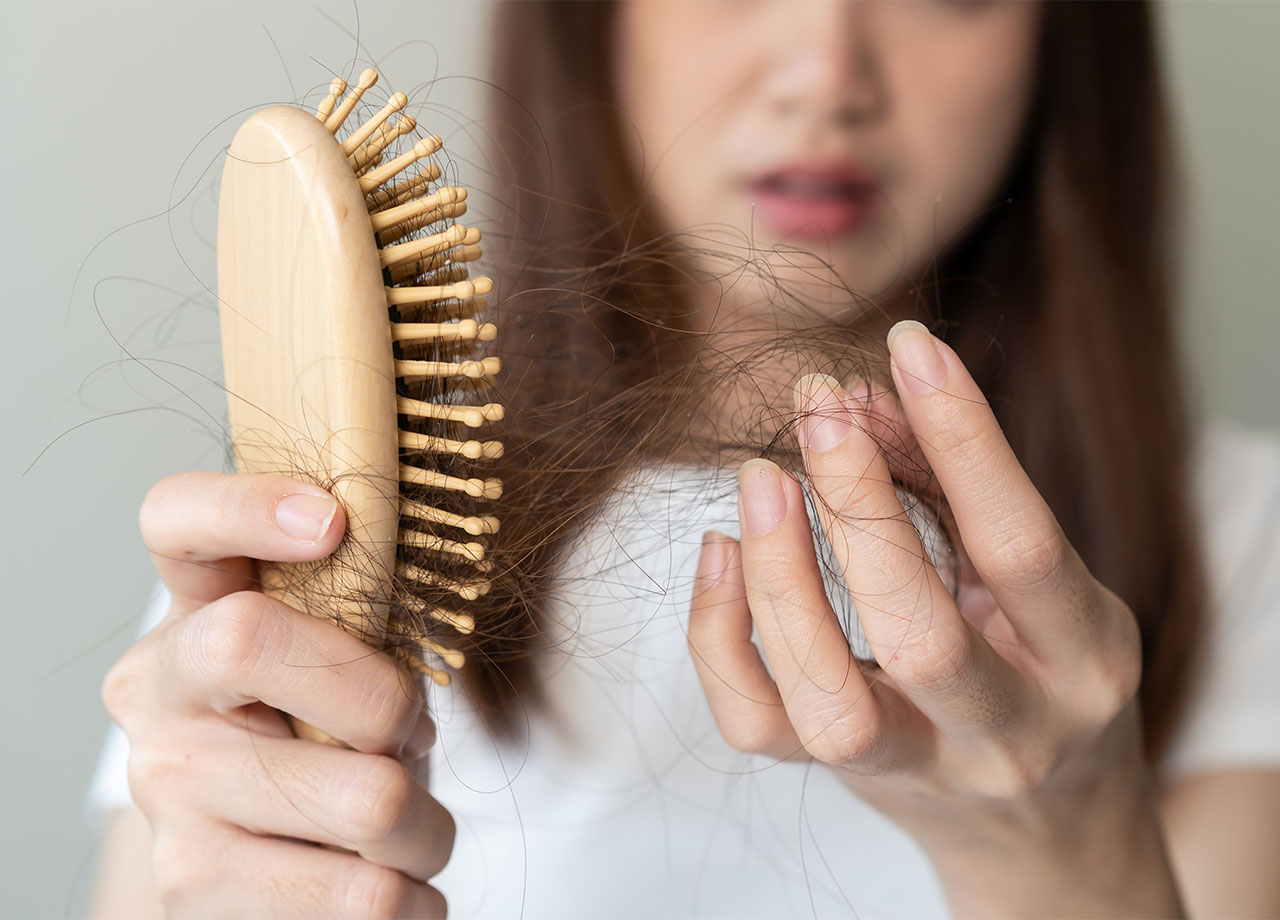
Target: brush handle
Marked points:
309	732
308	355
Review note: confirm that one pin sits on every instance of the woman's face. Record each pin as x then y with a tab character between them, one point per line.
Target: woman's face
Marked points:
868	133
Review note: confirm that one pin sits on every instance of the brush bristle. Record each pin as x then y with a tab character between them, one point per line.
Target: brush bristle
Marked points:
440	366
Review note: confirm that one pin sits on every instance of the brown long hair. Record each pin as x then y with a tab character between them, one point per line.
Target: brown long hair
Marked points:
1058	301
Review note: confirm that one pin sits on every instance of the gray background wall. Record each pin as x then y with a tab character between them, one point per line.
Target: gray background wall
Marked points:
116	111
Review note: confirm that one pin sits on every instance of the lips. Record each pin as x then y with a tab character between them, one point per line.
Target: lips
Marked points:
811	203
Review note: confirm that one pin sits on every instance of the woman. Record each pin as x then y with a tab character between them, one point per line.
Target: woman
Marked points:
731	184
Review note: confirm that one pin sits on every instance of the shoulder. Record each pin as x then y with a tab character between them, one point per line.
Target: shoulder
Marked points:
1232	721
1228	456
1236	496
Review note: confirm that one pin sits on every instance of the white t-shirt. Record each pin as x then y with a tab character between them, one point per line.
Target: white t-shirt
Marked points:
622	800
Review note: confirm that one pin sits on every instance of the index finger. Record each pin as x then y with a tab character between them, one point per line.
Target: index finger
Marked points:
247	648
204	530
910	619
1010	533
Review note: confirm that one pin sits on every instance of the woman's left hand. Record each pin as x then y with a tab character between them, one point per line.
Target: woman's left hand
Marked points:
997	725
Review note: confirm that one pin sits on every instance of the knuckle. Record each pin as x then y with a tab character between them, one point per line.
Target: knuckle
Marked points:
393	705
446	836
443	832
380	795
150	512
236	633
172	880
1117	685
375	892
155	776
849	743
1126	679
745	734
1026	557
936	661
853	495
120	690
954	433
1015	774
179	872
777	580
435	903
1114	674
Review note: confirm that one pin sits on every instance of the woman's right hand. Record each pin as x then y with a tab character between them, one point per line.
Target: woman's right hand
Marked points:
236	803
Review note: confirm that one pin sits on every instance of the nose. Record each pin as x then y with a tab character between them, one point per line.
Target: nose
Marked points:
825	62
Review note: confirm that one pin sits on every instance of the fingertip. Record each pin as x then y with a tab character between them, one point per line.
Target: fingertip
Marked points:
858	392
421	738
903	326
916	359
713	560
812	390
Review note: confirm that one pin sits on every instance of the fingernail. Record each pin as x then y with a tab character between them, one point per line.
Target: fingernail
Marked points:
424	735
712	562
306	517
825	419
920	365
764	504
858	390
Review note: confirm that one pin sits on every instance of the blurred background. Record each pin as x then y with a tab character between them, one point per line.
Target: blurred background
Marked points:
118	115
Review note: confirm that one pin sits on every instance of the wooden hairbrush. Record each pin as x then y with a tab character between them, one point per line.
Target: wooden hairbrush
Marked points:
354	358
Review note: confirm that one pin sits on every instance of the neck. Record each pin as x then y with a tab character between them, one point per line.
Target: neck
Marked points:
749	354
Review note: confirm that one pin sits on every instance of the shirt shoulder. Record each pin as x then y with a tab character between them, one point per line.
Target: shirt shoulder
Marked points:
1233	720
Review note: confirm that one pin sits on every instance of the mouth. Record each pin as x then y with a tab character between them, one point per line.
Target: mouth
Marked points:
813	203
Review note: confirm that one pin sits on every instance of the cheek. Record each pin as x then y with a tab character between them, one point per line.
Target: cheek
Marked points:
961	113
671	84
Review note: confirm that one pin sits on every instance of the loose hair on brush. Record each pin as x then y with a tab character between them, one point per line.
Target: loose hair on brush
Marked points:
1058	301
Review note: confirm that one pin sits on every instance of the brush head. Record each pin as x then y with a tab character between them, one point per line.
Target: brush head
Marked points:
353	359
306	342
